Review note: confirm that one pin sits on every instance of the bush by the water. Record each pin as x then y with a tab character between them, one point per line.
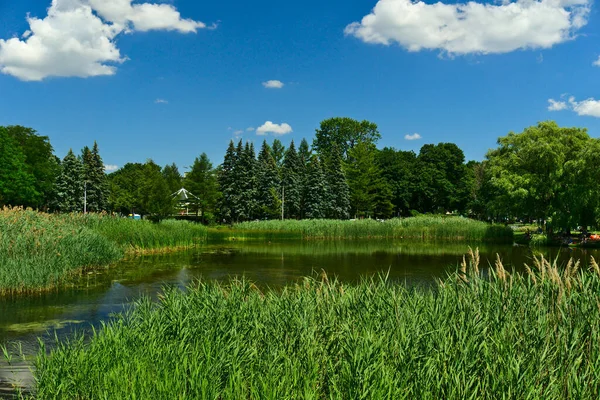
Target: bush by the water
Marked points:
421	227
40	251
507	336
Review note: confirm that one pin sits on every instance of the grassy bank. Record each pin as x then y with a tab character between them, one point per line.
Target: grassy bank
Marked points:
532	336
422	227
40	251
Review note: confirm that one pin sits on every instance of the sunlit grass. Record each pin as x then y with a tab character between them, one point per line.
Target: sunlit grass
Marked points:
501	336
422	227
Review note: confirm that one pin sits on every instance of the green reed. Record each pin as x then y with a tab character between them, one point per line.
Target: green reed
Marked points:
40	251
502	336
422	227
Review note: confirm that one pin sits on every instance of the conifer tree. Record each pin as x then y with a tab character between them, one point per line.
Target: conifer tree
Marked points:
227	185
201	181
94	179
291	183
267	185
316	190
247	182
304	158
172	177
70	184
278	153
338	193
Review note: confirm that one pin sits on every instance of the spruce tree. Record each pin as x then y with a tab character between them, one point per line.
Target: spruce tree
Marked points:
304	158
247	182
291	184
267	185
227	185
278	153
70	184
316	190
338	193
172	177
94	179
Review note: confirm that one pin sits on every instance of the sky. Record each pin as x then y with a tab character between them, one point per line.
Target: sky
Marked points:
168	80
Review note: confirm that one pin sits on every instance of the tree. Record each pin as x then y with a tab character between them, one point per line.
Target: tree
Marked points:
246	182
398	169
337	200
201	181
316	190
70	184
227	183
546	172
40	162
267	184
345	133
172	177
17	185
125	185
304	159
291	183
370	194
94	179
155	197
278	153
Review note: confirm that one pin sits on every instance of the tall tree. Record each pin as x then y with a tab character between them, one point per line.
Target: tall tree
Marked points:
398	169
267	185
172	177
94	180
39	161
227	183
338	194
316	190
278	152
70	184
201	181
304	159
345	133
125	186
291	183
156	199
17	185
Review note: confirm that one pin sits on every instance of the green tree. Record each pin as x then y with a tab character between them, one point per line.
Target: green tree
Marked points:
267	185
398	169
39	161
337	200
316	190
370	194
94	179
227	184
546	172
17	185
291	184
278	152
345	133
172	177
124	195
201	181
246	182
70	184
155	196
304	159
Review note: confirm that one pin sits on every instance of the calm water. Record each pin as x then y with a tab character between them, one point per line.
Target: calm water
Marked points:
273	265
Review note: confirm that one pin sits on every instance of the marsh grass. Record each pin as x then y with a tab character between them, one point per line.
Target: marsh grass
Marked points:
40	251
421	227
477	335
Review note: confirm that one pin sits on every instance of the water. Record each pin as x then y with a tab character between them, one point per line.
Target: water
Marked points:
97	296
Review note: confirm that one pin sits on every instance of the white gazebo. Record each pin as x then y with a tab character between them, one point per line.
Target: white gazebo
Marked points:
184	197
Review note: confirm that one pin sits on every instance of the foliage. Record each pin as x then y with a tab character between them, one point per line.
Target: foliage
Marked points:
201	181
343	133
291	182
94	178
173	177
70	186
337	196
17	185
509	336
268	184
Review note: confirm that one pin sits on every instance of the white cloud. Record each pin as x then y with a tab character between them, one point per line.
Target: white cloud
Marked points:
589	107
273	84
414	136
161	101
277	129
472	27
250	129
78	37
554	105
110	168
238	132
597	62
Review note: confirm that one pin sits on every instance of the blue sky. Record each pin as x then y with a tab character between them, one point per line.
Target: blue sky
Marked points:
169	80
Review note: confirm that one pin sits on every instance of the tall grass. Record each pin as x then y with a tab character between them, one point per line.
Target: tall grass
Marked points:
422	227
39	251
506	336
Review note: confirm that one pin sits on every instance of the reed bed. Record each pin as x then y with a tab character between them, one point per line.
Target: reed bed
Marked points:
421	227
40	251
476	335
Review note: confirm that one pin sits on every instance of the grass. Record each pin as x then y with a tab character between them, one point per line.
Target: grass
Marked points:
40	251
478	337
421	227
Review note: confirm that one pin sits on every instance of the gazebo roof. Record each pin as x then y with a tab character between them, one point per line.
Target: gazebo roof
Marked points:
183	195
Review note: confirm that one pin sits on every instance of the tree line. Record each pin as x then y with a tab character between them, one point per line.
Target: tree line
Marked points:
545	173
